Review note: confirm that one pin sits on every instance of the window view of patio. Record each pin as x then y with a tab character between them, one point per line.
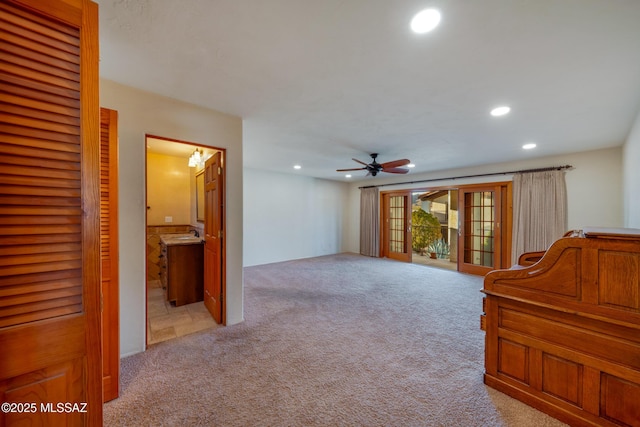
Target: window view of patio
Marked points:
434	219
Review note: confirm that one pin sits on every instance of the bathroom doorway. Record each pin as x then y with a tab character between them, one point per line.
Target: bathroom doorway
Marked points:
174	222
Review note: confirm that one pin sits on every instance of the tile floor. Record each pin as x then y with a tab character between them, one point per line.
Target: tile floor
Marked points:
439	263
165	321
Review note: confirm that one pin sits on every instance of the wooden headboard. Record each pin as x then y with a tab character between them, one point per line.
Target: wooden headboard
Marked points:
563	333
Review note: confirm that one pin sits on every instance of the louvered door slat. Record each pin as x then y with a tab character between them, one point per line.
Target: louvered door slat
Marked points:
28	88
27	300
40	114
42	210
59	38
51	238
39	105
36	202
33	305
43	163
40	172
39	220
39	268
30	229
40	191
37	182
53	308
39	72
43	144
40	249
38	99
26	48
57	280
40	182
11	14
39	123
38	258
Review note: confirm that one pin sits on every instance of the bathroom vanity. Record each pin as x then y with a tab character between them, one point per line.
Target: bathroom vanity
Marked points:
182	268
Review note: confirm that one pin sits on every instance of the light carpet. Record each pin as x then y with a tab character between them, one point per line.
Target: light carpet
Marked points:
341	340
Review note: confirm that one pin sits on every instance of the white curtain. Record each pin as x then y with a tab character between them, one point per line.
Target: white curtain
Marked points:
539	211
369	222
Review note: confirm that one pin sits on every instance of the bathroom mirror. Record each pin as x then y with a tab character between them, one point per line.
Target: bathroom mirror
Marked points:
200	196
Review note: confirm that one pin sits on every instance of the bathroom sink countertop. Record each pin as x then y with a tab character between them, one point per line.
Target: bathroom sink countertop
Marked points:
179	239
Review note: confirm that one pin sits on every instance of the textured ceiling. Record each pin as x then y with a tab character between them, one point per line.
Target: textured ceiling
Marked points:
318	82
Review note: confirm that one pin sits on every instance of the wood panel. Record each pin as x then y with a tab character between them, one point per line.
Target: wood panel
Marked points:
49	200
620	400
513	360
619	274
562	378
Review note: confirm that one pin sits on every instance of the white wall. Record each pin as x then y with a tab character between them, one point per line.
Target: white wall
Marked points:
141	113
631	168
594	187
289	217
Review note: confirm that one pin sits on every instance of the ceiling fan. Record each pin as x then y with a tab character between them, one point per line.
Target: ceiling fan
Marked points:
374	167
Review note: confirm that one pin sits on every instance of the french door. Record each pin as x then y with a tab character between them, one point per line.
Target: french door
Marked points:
484	240
396	226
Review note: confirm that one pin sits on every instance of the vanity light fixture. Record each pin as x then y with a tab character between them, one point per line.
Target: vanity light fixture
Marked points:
529	146
297	167
348	175
196	158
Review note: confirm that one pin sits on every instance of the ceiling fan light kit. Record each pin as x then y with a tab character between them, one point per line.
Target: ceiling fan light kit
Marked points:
374	167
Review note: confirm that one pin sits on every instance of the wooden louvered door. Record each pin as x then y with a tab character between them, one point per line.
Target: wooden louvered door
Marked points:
50	332
109	252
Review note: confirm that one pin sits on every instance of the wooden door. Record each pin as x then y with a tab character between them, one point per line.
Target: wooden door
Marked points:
213	236
396	226
50	332
485	228
109	252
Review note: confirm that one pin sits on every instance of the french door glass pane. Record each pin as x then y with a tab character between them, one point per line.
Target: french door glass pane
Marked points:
479	231
396	224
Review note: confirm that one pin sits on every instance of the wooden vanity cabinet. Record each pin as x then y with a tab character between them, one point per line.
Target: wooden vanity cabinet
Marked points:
182	272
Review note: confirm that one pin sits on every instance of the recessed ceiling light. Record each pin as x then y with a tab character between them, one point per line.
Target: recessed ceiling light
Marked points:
529	146
500	111
425	21
297	167
347	176
411	165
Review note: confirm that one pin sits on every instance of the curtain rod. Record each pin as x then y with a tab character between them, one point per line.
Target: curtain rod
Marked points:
553	168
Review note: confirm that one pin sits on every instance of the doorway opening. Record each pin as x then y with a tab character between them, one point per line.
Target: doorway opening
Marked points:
434	228
467	228
175	239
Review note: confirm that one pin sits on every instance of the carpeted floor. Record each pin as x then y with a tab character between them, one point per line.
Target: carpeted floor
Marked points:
341	340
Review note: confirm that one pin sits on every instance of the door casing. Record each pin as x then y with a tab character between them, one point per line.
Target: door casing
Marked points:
221	267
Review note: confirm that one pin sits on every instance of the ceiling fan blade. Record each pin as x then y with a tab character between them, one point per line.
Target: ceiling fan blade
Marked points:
361	162
395	170
348	170
395	163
